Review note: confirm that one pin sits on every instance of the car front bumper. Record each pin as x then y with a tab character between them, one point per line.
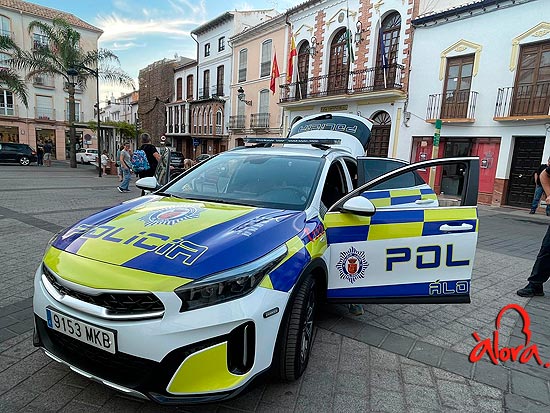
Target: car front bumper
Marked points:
205	355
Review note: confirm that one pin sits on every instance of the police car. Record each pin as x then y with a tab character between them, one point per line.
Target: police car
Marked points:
189	293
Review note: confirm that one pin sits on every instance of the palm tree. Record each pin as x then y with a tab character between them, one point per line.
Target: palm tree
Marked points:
63	56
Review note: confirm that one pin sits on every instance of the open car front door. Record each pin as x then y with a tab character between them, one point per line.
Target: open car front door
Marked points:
400	254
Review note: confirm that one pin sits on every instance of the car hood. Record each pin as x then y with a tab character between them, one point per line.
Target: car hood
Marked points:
177	237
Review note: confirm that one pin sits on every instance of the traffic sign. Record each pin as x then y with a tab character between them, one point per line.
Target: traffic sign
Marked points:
196	141
163	138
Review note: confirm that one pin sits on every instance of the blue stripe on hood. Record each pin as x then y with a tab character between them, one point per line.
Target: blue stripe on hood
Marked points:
230	244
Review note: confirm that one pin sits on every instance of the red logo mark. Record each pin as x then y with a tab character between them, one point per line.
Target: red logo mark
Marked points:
522	353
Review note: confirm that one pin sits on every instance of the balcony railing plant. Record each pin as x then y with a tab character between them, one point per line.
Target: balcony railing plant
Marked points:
523	100
259	120
236	122
357	81
452	105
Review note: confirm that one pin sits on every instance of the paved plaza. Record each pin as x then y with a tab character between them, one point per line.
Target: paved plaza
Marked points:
394	358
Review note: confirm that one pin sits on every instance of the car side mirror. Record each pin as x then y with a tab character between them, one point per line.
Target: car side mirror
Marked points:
148	184
359	205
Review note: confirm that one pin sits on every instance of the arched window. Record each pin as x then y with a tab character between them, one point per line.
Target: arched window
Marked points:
302	72
338	71
205	121
386	59
195	121
380	135
199	121
5	26
219	120
210	116
189	94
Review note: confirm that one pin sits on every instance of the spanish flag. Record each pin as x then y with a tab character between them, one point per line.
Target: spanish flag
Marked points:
274	73
290	67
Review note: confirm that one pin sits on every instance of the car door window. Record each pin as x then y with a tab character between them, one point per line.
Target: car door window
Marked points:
403	254
335	186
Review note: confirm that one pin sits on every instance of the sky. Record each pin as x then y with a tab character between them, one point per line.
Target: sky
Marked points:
141	32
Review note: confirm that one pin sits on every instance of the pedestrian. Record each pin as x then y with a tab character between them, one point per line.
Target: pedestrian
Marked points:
118	168
48	153
104	161
126	166
539	190
39	154
153	157
541	269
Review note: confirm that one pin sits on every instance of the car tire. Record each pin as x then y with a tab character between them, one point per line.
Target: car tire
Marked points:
297	338
24	160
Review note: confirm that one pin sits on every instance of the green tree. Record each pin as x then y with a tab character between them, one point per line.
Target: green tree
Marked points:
63	56
10	77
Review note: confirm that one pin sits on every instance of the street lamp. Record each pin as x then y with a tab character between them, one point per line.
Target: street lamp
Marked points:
242	97
73	76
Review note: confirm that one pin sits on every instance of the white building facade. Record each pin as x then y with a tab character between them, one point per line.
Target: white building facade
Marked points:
367	75
483	69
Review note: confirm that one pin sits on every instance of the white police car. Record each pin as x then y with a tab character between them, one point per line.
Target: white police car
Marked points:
188	294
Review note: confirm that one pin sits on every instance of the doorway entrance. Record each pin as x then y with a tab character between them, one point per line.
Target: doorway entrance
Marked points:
526	159
452	179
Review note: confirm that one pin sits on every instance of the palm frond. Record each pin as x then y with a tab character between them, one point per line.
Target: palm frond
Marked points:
116	75
15	84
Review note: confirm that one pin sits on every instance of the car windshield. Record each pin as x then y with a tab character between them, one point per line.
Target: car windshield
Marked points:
92	150
282	182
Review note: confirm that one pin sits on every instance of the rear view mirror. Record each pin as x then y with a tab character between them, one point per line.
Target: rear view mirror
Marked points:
359	205
148	184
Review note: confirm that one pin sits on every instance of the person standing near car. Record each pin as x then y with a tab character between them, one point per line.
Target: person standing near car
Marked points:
126	166
539	190
541	268
39	154
153	157
48	153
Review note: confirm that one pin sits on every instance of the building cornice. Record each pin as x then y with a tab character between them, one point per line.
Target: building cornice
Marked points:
464	12
259	30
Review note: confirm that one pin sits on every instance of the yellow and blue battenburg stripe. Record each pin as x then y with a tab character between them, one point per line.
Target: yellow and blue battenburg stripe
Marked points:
310	244
393	197
392	224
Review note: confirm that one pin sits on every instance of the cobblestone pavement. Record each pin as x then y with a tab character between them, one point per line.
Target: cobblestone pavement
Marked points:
394	358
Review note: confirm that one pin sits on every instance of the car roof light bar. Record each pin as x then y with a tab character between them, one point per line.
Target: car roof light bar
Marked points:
297	141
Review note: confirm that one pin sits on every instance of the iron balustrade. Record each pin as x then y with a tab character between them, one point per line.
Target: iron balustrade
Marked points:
353	82
523	100
259	120
204	93
217	90
452	105
236	122
42	113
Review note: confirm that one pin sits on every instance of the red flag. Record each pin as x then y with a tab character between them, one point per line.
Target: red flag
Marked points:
290	67
274	73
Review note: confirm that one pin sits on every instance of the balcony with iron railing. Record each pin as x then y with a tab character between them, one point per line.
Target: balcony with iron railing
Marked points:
44	114
373	79
43	81
236	122
78	116
7	109
523	102
204	93
452	107
217	90
259	120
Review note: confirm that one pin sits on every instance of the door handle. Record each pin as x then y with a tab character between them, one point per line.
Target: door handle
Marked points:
424	201
456	228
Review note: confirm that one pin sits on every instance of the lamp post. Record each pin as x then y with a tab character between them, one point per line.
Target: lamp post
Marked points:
73	75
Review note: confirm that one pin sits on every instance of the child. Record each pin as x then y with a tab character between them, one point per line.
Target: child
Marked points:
104	161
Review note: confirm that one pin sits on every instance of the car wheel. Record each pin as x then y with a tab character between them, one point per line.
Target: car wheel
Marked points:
298	331
24	160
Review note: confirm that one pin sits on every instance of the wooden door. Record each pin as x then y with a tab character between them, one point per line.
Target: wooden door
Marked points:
525	160
339	64
458	81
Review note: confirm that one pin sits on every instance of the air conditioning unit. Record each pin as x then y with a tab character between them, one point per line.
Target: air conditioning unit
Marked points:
39	80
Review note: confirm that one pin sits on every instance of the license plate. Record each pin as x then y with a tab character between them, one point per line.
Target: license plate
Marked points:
87	333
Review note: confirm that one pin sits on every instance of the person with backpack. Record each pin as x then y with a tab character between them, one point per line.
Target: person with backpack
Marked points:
126	166
153	157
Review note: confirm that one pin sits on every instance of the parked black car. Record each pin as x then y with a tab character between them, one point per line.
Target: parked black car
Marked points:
17	152
203	157
176	159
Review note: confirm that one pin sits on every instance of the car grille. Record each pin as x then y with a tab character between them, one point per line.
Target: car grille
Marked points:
114	303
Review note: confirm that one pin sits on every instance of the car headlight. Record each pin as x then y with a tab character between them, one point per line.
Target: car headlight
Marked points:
228	285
